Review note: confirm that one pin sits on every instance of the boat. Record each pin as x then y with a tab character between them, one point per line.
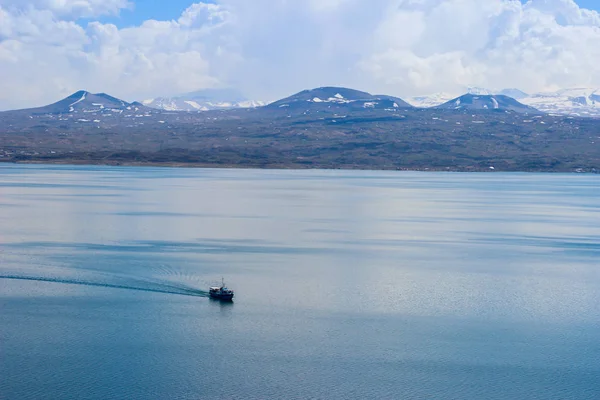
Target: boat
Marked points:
221	292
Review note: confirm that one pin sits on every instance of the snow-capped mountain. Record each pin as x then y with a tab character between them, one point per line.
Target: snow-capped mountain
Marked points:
584	102
338	98
441	98
514	93
83	102
204	100
83	108
431	100
438	99
487	102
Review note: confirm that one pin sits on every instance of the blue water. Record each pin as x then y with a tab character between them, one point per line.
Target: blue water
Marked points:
348	284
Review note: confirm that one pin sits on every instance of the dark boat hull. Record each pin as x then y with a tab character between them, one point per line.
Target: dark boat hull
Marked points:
223	297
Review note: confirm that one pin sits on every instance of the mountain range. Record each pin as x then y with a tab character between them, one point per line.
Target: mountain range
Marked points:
575	102
584	102
328	100
327	127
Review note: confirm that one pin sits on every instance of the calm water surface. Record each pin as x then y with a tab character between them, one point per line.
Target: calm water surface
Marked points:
348	284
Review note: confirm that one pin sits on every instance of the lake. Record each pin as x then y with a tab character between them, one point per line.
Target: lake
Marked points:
349	284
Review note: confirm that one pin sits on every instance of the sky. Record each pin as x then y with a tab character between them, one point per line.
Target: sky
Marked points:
268	49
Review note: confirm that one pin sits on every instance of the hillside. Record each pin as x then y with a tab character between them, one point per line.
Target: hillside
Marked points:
336	132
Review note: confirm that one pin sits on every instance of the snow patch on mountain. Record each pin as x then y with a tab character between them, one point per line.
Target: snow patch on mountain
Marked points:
196	105
185	104
338	98
331	99
204	100
576	102
80	100
431	100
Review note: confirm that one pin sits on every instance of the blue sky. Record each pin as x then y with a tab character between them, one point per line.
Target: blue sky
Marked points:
591	4
152	9
171	10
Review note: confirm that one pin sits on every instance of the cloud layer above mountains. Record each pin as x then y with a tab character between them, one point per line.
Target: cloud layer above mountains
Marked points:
271	48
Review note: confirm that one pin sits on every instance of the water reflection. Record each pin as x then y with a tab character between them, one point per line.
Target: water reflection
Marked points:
379	284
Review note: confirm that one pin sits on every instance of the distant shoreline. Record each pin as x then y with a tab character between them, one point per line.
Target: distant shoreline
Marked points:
299	167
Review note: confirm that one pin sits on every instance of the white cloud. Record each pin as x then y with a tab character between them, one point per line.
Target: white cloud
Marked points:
564	12
69	9
272	48
492	44
202	14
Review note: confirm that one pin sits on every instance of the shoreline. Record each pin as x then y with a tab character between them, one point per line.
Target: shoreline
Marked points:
299	167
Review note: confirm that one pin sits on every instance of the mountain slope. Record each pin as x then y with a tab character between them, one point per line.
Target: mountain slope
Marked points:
487	102
337	100
84	102
81	109
373	139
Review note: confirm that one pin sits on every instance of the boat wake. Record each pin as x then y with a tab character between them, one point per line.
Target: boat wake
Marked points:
131	284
